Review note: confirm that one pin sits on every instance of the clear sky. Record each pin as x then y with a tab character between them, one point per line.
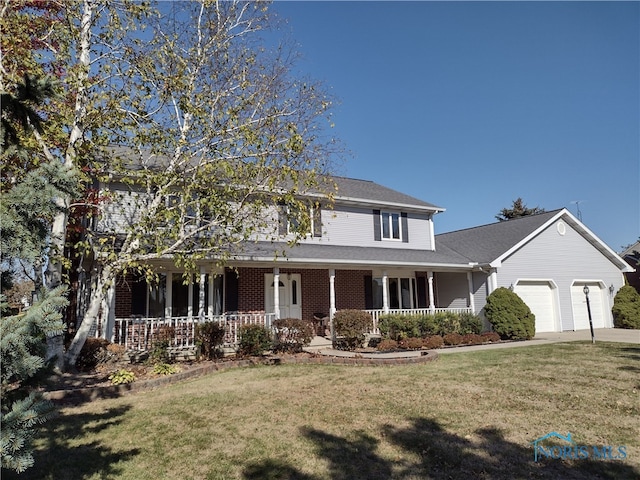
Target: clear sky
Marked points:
470	105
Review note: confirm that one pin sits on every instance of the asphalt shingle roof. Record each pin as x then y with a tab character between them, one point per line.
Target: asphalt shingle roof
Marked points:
485	243
368	190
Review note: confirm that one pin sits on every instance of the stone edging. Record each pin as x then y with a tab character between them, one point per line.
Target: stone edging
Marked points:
81	395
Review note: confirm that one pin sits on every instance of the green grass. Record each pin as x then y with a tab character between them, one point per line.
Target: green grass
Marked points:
466	415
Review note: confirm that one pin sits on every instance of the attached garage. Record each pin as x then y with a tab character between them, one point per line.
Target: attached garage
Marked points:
540	296
596	303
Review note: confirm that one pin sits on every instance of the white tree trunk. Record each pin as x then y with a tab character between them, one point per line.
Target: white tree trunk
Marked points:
105	278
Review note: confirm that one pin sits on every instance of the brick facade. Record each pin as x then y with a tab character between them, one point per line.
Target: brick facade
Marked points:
349	285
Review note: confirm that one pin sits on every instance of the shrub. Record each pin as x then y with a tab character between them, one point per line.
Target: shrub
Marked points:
510	316
452	339
472	339
291	334
165	369
427	325
254	340
490	336
626	308
162	339
469	324
447	322
92	353
209	336
387	344
121	377
432	341
398	327
411	343
352	325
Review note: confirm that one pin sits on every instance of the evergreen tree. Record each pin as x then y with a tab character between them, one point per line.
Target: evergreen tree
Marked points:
22	350
27	208
517	210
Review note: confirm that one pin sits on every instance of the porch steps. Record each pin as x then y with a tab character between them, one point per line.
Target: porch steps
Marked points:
318	343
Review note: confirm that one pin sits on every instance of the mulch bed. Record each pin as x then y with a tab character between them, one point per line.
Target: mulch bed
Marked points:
80	387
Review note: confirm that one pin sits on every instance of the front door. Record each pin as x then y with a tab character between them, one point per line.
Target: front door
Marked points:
290	293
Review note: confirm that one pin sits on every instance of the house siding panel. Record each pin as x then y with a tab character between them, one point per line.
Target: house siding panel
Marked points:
352	226
553	256
451	290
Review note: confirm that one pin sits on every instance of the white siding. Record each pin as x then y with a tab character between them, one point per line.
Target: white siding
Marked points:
451	290
353	226
563	259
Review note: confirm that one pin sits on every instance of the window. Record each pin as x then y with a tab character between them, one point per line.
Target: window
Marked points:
294	218
390	223
402	293
390	226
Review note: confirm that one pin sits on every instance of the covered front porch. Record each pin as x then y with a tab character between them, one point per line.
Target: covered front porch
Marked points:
136	313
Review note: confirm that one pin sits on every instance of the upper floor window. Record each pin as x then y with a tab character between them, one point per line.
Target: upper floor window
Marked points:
390	223
307	221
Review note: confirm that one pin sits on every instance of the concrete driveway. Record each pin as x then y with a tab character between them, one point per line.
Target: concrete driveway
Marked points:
600	334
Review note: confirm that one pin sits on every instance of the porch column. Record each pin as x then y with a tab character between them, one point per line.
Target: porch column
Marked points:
332	300
493	280
109	313
190	298
209	312
332	293
385	292
276	291
472	300
202	284
432	302
169	299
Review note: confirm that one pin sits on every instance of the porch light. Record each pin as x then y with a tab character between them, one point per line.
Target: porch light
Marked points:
611	289
586	290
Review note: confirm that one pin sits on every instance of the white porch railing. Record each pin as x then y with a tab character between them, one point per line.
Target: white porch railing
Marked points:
411	311
139	333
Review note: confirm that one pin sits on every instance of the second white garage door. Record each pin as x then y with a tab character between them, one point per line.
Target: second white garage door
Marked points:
579	303
540	297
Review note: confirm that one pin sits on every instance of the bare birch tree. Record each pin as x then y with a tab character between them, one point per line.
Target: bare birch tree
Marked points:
196	110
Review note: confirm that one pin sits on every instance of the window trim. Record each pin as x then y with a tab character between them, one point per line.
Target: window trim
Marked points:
391	216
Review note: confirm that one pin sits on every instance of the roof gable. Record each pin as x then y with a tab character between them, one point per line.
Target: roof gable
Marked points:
491	244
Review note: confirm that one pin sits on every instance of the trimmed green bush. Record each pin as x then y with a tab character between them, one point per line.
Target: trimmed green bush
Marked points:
254	340
291	334
626	308
510	316
398	327
352	325
209	337
469	324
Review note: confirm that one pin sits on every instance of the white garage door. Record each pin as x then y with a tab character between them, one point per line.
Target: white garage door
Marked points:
579	302
539	297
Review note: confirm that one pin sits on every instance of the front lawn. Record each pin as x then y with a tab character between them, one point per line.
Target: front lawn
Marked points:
464	416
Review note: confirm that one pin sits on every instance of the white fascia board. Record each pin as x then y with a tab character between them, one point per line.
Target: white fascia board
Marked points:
382	204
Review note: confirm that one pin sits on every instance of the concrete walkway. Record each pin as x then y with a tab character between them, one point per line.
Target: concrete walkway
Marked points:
600	335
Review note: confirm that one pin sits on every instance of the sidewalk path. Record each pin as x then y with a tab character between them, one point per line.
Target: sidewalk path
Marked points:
600	334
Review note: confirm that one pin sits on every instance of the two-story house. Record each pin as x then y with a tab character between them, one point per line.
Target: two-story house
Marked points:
376	250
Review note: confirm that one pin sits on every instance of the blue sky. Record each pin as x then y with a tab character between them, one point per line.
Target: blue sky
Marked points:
470	105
